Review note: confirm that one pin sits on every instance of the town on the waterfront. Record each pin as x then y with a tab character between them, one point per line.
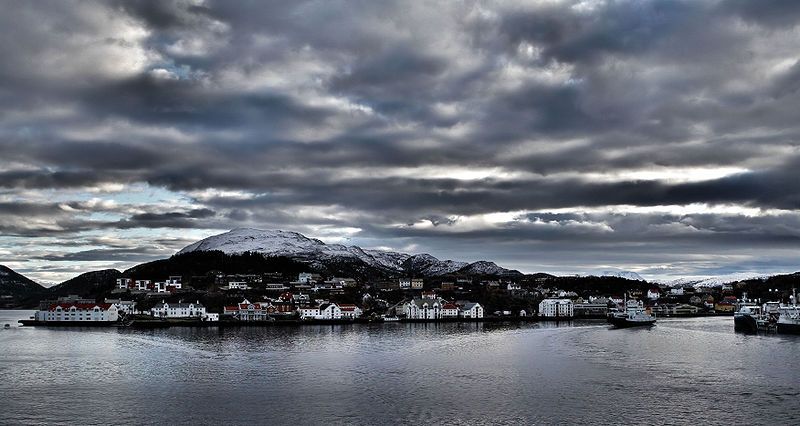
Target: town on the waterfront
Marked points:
312	298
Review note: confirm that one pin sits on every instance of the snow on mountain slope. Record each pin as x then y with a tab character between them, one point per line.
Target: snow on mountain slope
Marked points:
298	246
629	275
483	267
700	282
427	265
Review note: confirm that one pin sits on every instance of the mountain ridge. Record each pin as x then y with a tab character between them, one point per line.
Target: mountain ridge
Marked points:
313	251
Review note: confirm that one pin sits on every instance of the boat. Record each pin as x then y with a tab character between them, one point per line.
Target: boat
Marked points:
746	319
789	317
633	316
7	326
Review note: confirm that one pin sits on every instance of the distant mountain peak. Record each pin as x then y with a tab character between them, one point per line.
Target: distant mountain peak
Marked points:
299	247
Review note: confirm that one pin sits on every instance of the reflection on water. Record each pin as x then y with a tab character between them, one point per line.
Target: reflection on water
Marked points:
682	370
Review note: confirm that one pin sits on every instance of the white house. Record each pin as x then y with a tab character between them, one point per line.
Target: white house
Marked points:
423	309
79	312
472	310
654	293
556	308
513	287
405	282
325	311
237	285
677	291
179	310
449	310
350	311
123	306
247	311
308	278
124	283
330	311
143	284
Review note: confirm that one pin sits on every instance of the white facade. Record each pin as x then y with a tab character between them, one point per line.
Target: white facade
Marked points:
350	311
472	310
143	284
237	285
79	312
405	282
423	309
326	311
449	310
179	310
654	293
123	306
124	283
556	308
676	291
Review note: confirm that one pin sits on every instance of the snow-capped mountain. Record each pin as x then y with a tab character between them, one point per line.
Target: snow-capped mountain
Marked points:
629	275
299	247
700	282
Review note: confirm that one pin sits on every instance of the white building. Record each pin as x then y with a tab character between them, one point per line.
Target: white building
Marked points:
247	311
79	312
325	311
143	284
556	308
405	282
513	287
237	285
654	293
450	310
124	283
677	291
427	309
123	306
472	310
179	310
350	311
308	278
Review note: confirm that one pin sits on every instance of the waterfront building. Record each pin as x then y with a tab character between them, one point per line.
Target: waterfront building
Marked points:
123	306
583	310
472	310
179	310
123	283
449	310
325	311
82	312
423	309
556	308
350	311
654	293
247	311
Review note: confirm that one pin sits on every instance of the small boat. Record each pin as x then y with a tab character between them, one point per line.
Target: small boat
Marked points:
7	326
633	316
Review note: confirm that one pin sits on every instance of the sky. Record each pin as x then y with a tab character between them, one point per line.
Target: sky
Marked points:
567	137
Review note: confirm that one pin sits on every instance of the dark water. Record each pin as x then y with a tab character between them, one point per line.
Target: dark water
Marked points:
681	371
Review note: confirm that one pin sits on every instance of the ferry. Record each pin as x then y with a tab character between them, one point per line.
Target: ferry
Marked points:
633	316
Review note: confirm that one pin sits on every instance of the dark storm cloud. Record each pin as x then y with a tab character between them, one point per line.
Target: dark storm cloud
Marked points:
315	115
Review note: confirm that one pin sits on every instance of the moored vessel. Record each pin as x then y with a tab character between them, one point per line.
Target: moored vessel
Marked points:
633	316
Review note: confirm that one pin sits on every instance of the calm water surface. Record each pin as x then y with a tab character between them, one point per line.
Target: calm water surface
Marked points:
680	371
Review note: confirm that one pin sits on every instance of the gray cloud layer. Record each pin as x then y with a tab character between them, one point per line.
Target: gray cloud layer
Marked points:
659	130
